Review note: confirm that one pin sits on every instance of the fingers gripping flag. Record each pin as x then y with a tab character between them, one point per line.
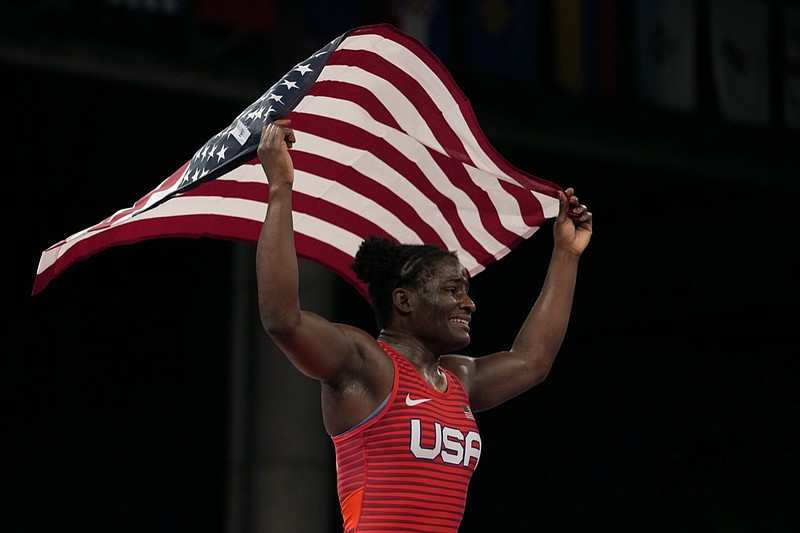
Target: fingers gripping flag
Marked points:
386	144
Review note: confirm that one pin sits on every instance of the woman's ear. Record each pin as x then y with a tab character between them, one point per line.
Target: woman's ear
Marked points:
401	301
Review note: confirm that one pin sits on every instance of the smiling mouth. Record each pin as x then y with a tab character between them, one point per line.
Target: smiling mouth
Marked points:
460	321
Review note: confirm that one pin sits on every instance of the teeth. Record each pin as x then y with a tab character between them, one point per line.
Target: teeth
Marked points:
459	320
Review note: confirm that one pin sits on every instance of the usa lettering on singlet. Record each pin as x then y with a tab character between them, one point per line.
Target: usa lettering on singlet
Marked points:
408	467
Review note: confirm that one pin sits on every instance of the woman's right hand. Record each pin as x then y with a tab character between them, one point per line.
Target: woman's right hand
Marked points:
273	152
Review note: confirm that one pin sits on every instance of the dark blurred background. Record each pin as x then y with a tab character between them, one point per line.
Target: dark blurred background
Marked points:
674	403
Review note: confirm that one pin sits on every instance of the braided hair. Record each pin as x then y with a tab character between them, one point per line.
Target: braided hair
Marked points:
384	265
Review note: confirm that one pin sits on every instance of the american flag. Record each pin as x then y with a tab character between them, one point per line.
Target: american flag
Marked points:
387	144
467	411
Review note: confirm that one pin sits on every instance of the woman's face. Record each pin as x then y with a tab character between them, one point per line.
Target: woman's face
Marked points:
444	308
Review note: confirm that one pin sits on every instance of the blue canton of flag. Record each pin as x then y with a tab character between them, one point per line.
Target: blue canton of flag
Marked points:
239	141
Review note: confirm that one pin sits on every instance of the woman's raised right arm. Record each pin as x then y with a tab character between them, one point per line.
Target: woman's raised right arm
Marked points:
317	347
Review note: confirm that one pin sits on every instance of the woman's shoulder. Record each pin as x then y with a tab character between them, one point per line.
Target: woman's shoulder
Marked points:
365	343
460	365
359	336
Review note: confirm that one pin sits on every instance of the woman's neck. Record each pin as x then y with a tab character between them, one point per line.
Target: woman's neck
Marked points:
425	361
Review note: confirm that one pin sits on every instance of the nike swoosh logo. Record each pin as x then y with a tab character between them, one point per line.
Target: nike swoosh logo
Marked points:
411	402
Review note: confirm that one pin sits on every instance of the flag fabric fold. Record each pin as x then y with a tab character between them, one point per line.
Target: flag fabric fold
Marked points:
387	144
